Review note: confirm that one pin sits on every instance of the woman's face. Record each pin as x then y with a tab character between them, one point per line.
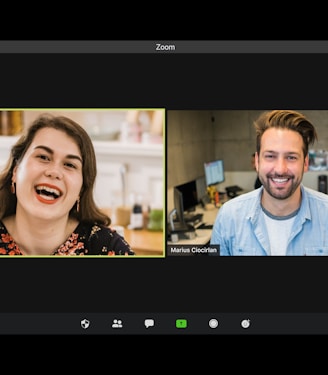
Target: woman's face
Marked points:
49	177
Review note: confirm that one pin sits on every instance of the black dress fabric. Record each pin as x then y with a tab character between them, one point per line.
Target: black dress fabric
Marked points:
86	239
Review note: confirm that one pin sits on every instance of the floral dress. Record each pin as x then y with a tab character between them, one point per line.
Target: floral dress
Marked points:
87	239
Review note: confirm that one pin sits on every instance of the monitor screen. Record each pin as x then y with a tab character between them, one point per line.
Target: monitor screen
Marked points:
178	205
189	195
201	187
214	172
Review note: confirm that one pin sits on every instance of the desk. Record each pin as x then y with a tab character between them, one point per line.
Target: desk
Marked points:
145	242
203	236
142	241
209	216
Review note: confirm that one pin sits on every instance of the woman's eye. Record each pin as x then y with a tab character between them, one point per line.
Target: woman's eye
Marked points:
43	157
70	165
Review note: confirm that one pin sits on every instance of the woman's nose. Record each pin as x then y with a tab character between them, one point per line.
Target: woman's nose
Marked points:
54	172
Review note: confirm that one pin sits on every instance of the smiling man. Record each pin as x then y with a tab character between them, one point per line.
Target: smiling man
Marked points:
283	217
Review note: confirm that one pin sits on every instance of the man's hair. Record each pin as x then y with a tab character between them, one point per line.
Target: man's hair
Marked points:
286	119
88	211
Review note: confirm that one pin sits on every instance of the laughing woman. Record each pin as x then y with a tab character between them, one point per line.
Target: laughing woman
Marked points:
46	195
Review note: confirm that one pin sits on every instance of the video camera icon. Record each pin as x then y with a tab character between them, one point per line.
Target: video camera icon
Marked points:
181	323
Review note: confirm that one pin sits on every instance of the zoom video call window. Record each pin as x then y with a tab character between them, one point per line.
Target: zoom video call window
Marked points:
109	222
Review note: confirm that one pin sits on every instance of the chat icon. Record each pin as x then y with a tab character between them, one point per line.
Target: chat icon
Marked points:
149	323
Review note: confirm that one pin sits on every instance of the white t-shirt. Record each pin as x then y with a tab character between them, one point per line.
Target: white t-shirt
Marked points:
279	228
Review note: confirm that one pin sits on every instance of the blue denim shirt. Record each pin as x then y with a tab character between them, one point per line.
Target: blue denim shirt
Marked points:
240	228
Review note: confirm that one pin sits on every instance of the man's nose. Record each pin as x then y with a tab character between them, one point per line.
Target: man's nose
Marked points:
281	165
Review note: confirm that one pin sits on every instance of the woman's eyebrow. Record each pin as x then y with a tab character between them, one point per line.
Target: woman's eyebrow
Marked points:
50	151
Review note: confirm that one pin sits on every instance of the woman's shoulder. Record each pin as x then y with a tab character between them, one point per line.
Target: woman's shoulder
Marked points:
102	240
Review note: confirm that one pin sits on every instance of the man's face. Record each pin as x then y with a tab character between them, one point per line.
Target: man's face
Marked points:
281	163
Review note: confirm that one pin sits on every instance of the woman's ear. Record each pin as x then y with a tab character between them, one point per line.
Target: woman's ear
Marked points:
13	178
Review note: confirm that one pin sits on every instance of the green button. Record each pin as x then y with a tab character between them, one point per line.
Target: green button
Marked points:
181	323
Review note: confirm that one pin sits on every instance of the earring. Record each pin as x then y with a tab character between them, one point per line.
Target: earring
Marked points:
13	187
78	205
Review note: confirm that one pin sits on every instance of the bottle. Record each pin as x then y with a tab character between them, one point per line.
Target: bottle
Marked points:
156	219
136	220
217	199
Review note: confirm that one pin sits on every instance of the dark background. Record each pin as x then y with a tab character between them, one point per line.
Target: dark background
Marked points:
174	284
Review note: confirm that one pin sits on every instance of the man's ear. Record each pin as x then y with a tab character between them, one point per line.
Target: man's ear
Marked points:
306	163
256	161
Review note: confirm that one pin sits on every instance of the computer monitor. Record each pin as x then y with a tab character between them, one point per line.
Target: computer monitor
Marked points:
214	172
178	205
190	197
201	187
